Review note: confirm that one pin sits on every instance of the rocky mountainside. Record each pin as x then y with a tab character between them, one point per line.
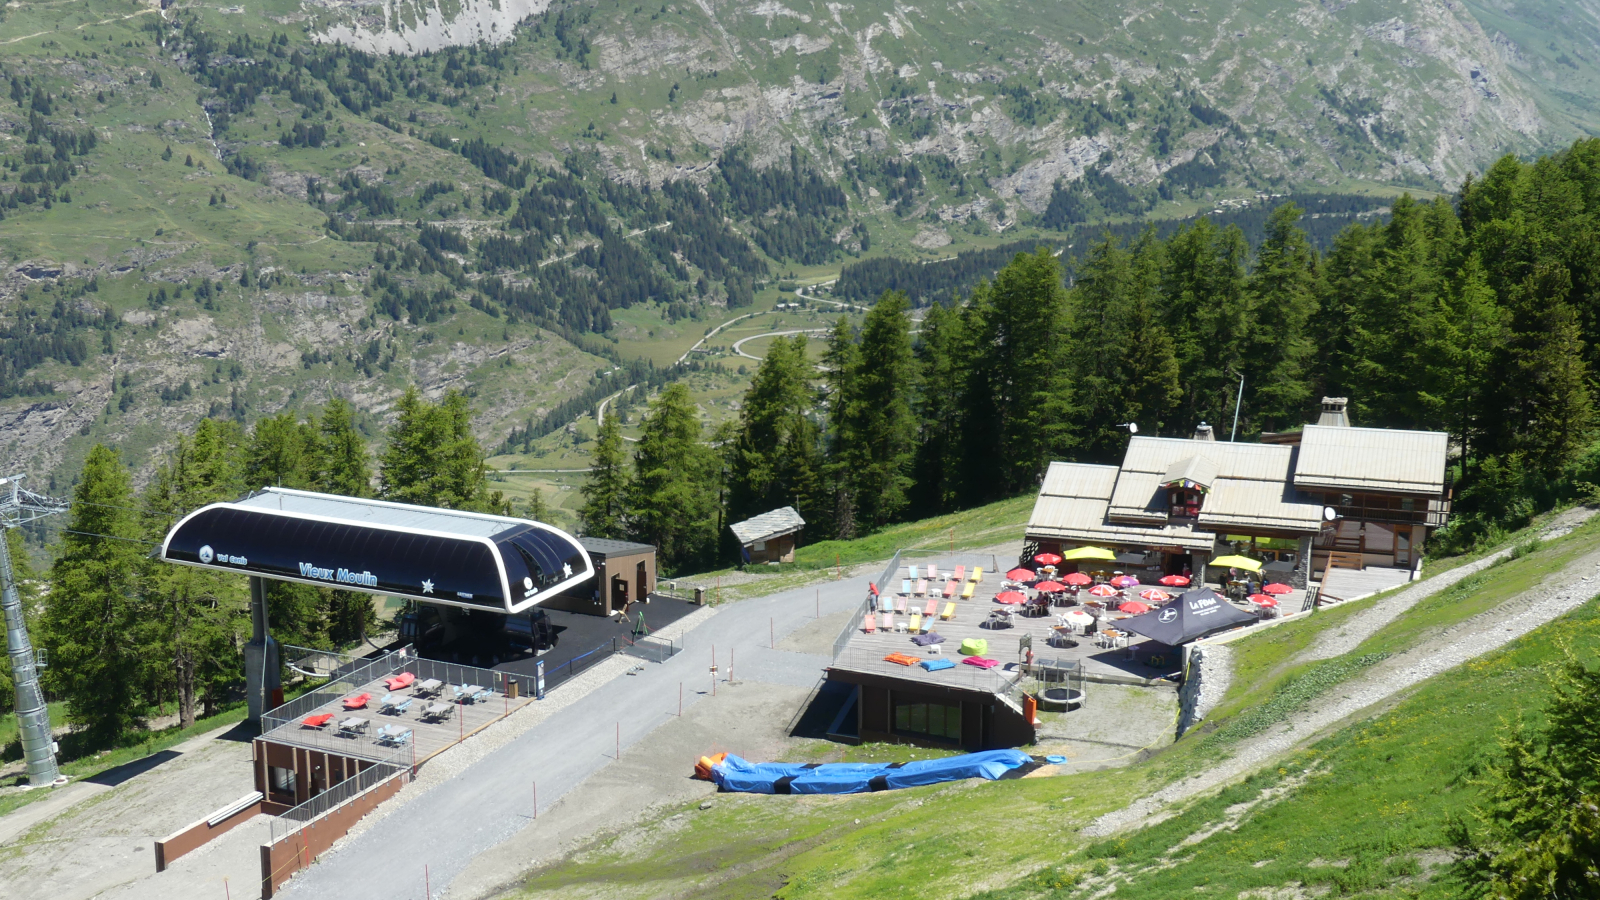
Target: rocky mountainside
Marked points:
233	211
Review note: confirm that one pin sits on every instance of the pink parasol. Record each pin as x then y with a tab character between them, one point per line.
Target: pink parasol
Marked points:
1011	597
1049	587
1134	607
1276	588
1103	590
1020	574
1154	596
1175	581
1048	559
1078	578
1262	600
1125	581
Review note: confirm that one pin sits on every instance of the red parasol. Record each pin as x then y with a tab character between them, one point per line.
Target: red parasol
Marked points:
1154	596
1049	587
1175	581
1124	581
1012	597
1078	578
1103	590
1262	600
1048	559
1276	588
1020	574
1134	607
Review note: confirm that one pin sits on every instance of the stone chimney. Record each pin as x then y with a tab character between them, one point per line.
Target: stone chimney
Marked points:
1334	412
1202	432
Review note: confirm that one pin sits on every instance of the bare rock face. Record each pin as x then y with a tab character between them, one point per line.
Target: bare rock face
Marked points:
417	26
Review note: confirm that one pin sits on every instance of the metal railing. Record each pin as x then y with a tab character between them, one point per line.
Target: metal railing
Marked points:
866	659
850	627
338	685
326	802
650	647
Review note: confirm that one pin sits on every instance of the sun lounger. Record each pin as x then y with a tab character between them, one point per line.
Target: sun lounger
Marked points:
922	587
396	704
437	712
950	589
977	574
961	573
981	662
353	725
885	621
949	612
901	659
933	572
359	701
905	586
885	604
934	665
399	682
428	688
916	623
869	623
394	735
319	720
967	592
931	608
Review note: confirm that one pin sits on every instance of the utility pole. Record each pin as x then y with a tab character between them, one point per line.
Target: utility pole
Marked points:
17	508
1236	404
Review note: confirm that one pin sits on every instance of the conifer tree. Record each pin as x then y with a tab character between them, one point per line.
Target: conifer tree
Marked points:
343	463
433	459
839	363
605	491
95	623
775	455
1283	299
877	428
1547	395
1018	397
282	452
672	500
1208	311
943	353
199	613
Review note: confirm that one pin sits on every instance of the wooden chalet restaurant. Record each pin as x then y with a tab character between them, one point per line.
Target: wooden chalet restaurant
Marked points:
941	652
1334	506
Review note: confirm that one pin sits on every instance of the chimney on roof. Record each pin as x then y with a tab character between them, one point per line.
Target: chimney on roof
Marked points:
1202	432
1334	412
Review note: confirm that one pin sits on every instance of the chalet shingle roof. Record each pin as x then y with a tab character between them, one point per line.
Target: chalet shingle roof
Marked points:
768	525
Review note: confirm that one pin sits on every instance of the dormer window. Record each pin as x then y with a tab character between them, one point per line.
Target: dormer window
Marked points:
1184	503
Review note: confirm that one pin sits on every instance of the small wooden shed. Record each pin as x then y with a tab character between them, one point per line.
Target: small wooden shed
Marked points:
769	537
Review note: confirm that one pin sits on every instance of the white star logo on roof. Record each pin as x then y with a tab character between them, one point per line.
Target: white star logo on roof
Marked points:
427	586
566	569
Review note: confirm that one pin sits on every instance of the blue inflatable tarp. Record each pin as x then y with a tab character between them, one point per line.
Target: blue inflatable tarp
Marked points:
742	776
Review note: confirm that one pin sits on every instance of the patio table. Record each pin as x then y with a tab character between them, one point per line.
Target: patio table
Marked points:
428	687
353	725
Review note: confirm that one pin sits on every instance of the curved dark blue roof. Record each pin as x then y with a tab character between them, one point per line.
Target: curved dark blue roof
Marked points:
440	556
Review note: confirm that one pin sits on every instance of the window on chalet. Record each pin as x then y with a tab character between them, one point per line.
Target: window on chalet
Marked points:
1184	503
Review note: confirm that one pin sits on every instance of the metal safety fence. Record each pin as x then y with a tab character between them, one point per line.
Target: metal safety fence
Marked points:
341	683
649	647
334	797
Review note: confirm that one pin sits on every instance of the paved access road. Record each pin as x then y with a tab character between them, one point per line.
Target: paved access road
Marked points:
492	800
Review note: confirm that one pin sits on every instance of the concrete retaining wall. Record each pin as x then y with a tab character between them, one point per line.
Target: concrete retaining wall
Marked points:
192	837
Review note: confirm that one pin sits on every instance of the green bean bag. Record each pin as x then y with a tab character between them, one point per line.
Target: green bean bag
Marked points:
974	647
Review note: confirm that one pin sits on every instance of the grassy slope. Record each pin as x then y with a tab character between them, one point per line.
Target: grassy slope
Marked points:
1361	810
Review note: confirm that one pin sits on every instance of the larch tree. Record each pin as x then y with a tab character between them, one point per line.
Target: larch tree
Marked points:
344	464
605	491
1283	284
673	496
96	624
433	459
879	431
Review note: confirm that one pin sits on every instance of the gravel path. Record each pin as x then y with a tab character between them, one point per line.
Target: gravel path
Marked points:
1560	593
1373	620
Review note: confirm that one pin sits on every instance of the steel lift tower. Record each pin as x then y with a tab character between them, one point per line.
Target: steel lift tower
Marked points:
17	508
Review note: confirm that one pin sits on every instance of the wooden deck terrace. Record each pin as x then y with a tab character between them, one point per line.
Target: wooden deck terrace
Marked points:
427	739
